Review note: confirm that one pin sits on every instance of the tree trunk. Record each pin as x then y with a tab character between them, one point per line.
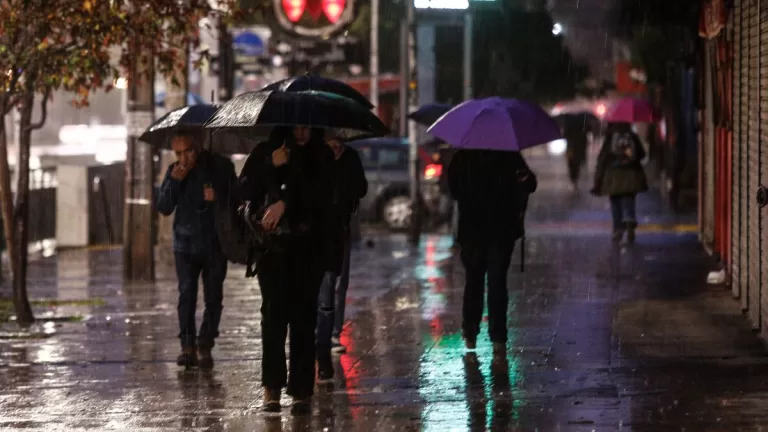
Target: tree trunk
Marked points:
6	196
21	305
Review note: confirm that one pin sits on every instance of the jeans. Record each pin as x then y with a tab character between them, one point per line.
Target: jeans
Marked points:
213	267
333	298
289	285
491	259
623	211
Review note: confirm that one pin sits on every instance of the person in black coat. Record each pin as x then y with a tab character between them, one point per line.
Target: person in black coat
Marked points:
492	189
289	175
349	186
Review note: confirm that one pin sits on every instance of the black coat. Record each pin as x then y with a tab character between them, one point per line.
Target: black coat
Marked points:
349	186
492	189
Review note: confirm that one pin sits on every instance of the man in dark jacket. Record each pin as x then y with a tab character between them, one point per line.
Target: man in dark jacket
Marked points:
492	189
349	186
192	187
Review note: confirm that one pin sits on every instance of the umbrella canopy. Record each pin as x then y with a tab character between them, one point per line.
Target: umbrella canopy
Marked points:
429	113
253	115
496	124
313	82
630	110
188	118
582	122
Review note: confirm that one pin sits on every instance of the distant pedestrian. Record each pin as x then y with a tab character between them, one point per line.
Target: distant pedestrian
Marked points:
492	189
620	176
576	151
349	185
193	185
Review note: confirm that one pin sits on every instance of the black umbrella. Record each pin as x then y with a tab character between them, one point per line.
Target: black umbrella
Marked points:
252	116
318	83
581	121
188	118
429	113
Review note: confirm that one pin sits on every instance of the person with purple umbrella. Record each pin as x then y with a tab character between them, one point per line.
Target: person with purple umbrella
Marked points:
491	181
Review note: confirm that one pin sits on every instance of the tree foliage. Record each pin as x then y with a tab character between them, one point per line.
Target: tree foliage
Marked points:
50	45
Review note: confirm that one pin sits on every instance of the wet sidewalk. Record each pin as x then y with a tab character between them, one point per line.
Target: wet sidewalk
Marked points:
602	338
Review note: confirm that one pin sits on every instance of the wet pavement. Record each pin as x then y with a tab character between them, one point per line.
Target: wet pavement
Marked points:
602	338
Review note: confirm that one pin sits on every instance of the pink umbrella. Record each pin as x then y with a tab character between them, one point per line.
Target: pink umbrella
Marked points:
630	110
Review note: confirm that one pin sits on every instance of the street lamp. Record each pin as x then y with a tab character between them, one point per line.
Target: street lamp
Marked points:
557	29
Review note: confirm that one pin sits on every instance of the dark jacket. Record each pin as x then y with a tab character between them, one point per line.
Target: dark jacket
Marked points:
349	185
194	222
612	180
302	184
492	189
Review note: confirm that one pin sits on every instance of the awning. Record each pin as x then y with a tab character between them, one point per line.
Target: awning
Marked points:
713	18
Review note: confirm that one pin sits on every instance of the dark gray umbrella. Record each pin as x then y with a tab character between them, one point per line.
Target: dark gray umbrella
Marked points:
252	116
317	83
429	113
188	118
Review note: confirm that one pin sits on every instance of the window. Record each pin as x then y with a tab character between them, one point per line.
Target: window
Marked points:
390	157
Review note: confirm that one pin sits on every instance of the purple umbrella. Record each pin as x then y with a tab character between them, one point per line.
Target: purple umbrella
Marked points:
496	124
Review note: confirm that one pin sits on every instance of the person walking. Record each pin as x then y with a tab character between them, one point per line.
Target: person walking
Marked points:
491	188
575	134
620	176
192	187
289	173
349	185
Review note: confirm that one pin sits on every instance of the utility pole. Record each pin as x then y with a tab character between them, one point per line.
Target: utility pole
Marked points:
374	66
413	100
138	248
468	53
403	77
226	64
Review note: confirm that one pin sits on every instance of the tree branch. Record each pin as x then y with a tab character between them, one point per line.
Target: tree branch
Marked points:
43	110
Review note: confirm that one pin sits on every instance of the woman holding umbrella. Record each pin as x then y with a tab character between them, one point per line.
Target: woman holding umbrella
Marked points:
287	178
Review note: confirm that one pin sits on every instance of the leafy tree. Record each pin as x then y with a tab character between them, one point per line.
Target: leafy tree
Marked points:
49	45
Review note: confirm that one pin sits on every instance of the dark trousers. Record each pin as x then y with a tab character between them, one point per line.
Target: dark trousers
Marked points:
623	211
189	267
574	169
491	259
332	299
289	283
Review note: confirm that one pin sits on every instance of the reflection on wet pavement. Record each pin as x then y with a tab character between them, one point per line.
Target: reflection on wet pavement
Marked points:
602	337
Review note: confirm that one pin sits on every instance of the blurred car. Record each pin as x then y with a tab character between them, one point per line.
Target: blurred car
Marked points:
386	162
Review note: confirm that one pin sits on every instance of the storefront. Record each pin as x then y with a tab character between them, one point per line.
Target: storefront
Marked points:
734	119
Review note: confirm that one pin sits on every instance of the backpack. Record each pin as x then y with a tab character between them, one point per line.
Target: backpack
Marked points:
623	149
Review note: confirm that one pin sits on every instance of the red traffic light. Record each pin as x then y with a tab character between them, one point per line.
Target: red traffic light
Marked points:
333	9
294	9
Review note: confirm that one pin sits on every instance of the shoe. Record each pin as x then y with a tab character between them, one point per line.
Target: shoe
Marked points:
470	343
204	359
187	358
271	401
324	367
631	232
337	347
301	406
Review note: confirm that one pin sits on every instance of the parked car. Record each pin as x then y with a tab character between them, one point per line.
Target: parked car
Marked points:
385	161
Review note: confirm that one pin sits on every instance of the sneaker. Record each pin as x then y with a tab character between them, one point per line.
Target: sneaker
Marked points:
187	358
301	406
271	401
337	347
324	367
204	359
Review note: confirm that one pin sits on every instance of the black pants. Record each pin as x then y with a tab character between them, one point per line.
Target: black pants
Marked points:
289	282
479	260
574	168
213	267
